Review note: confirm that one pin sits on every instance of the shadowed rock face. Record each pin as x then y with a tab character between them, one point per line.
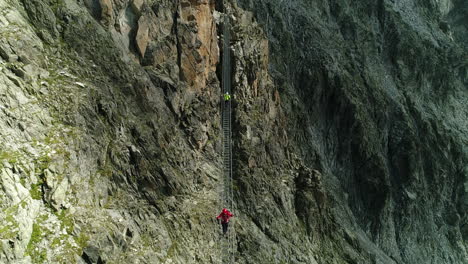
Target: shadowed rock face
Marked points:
349	135
376	92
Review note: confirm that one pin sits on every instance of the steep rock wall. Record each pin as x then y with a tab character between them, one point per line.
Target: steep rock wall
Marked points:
107	151
349	131
376	93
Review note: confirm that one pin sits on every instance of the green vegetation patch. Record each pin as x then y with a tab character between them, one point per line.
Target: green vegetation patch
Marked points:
42	163
9	228
36	191
66	220
11	157
68	245
82	239
37	255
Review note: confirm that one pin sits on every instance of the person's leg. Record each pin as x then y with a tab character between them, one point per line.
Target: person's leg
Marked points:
225	226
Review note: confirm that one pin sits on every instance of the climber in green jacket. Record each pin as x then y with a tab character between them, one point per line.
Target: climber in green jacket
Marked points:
227	97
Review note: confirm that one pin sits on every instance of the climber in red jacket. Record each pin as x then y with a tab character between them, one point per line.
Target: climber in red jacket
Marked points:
225	215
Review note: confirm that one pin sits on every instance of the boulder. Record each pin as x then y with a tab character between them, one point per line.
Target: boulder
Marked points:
142	36
137	6
107	11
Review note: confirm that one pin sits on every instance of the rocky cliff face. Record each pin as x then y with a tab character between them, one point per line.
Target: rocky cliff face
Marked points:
350	131
375	94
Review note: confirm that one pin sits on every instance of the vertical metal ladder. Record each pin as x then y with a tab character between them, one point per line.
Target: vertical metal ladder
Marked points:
228	244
